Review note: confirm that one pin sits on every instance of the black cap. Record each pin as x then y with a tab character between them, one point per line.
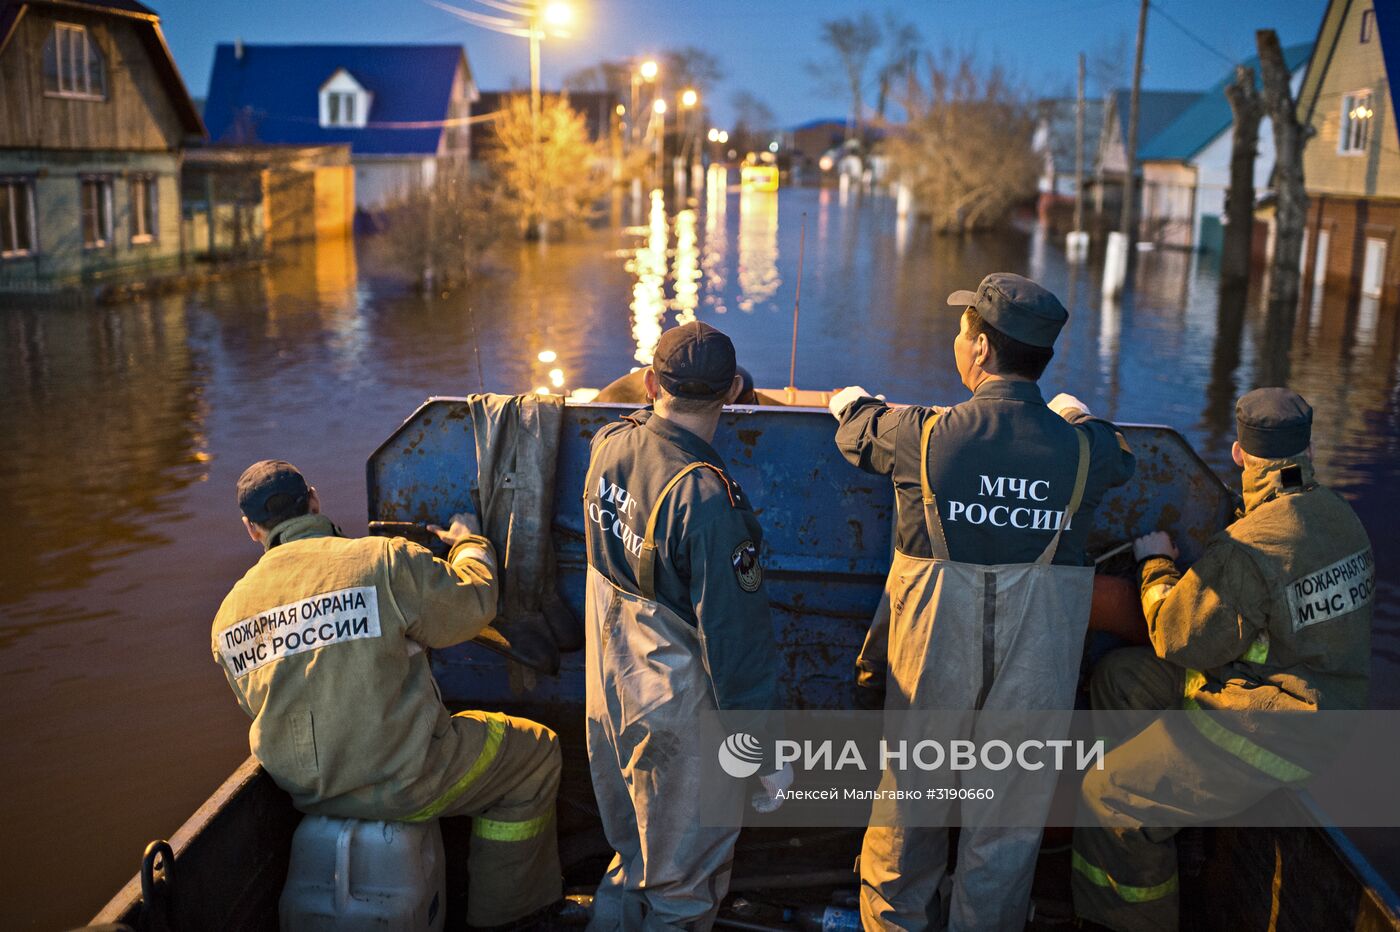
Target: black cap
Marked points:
262	482
1016	306
1273	423
694	360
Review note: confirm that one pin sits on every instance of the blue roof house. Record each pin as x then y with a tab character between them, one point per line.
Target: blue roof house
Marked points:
1186	164
403	109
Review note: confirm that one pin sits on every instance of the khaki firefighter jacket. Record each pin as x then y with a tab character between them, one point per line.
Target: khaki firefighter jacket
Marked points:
323	642
1276	615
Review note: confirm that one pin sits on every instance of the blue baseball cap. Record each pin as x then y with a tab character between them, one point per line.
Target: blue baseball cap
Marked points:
268	487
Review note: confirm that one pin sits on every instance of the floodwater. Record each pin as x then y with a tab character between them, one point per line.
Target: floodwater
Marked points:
125	428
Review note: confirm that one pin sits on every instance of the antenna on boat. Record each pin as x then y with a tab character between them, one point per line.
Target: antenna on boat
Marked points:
476	349
797	304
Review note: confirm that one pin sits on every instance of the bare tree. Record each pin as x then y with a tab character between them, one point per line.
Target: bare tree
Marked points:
1108	64
1243	95
440	234
689	66
1291	215
614	76
903	44
852	42
754	121
966	149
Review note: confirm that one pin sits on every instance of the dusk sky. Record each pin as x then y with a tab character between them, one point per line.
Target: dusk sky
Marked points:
764	45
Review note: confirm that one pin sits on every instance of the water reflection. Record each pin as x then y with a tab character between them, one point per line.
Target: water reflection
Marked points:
648	294
114	419
758	248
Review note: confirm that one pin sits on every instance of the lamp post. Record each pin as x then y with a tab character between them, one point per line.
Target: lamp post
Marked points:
647	71
658	109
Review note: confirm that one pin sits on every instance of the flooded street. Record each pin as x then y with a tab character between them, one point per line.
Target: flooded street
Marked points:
126	427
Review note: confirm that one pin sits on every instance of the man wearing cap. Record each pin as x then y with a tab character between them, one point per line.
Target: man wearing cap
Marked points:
988	591
1276	617
677	624
324	643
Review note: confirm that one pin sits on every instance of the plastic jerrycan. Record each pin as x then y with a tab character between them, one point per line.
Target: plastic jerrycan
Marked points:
350	874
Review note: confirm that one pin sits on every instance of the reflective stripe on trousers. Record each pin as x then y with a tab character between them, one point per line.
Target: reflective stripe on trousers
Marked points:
968	636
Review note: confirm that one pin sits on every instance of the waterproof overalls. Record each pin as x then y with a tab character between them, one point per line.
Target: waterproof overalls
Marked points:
677	624
998	474
1275	616
324	642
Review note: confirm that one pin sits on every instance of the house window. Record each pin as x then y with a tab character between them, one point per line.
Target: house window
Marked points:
340	108
73	65
144	225
1356	122
1373	269
1368	25
96	208
16	218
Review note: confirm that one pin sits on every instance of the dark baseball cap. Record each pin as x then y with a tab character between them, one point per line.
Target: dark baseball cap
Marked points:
1273	423
262	483
694	360
1016	306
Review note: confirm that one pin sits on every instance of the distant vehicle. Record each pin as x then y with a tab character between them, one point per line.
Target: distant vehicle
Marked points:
759	172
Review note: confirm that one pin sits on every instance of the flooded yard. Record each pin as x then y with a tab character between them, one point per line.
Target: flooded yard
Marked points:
126	426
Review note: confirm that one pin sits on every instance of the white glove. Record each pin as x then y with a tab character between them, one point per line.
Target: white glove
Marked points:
1064	401
773	784
845	398
1156	544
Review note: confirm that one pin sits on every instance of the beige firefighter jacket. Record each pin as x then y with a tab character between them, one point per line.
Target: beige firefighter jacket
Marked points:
1276	615
323	642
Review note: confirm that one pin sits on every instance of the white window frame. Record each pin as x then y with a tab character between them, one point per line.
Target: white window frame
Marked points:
79	81
1354	132
104	183
1373	277
344	102
24	187
151	216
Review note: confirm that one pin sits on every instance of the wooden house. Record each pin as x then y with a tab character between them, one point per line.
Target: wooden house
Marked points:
93	118
1351	166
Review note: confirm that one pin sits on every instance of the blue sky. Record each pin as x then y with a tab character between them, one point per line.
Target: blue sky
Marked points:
764	45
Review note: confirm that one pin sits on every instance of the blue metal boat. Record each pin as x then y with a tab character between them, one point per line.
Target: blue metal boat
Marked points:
827	546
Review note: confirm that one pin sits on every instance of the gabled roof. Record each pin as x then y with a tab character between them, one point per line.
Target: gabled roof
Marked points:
1329	32
1203	121
1058	114
147	28
819	123
1156	111
271	95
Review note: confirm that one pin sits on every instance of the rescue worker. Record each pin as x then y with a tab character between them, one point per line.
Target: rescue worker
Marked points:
1276	616
324	642
988	591
677	624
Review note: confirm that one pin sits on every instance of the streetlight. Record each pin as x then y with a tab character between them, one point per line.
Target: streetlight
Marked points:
658	108
647	71
535	17
689	97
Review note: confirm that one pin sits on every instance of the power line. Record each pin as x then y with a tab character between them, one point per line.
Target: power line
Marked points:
1195	38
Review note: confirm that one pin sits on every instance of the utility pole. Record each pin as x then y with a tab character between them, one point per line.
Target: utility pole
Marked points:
1125	222
1077	244
1120	244
1079	151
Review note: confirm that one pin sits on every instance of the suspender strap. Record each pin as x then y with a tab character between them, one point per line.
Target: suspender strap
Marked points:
1080	478
938	543
646	569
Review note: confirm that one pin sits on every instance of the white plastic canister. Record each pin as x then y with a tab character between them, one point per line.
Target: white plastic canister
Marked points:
349	874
